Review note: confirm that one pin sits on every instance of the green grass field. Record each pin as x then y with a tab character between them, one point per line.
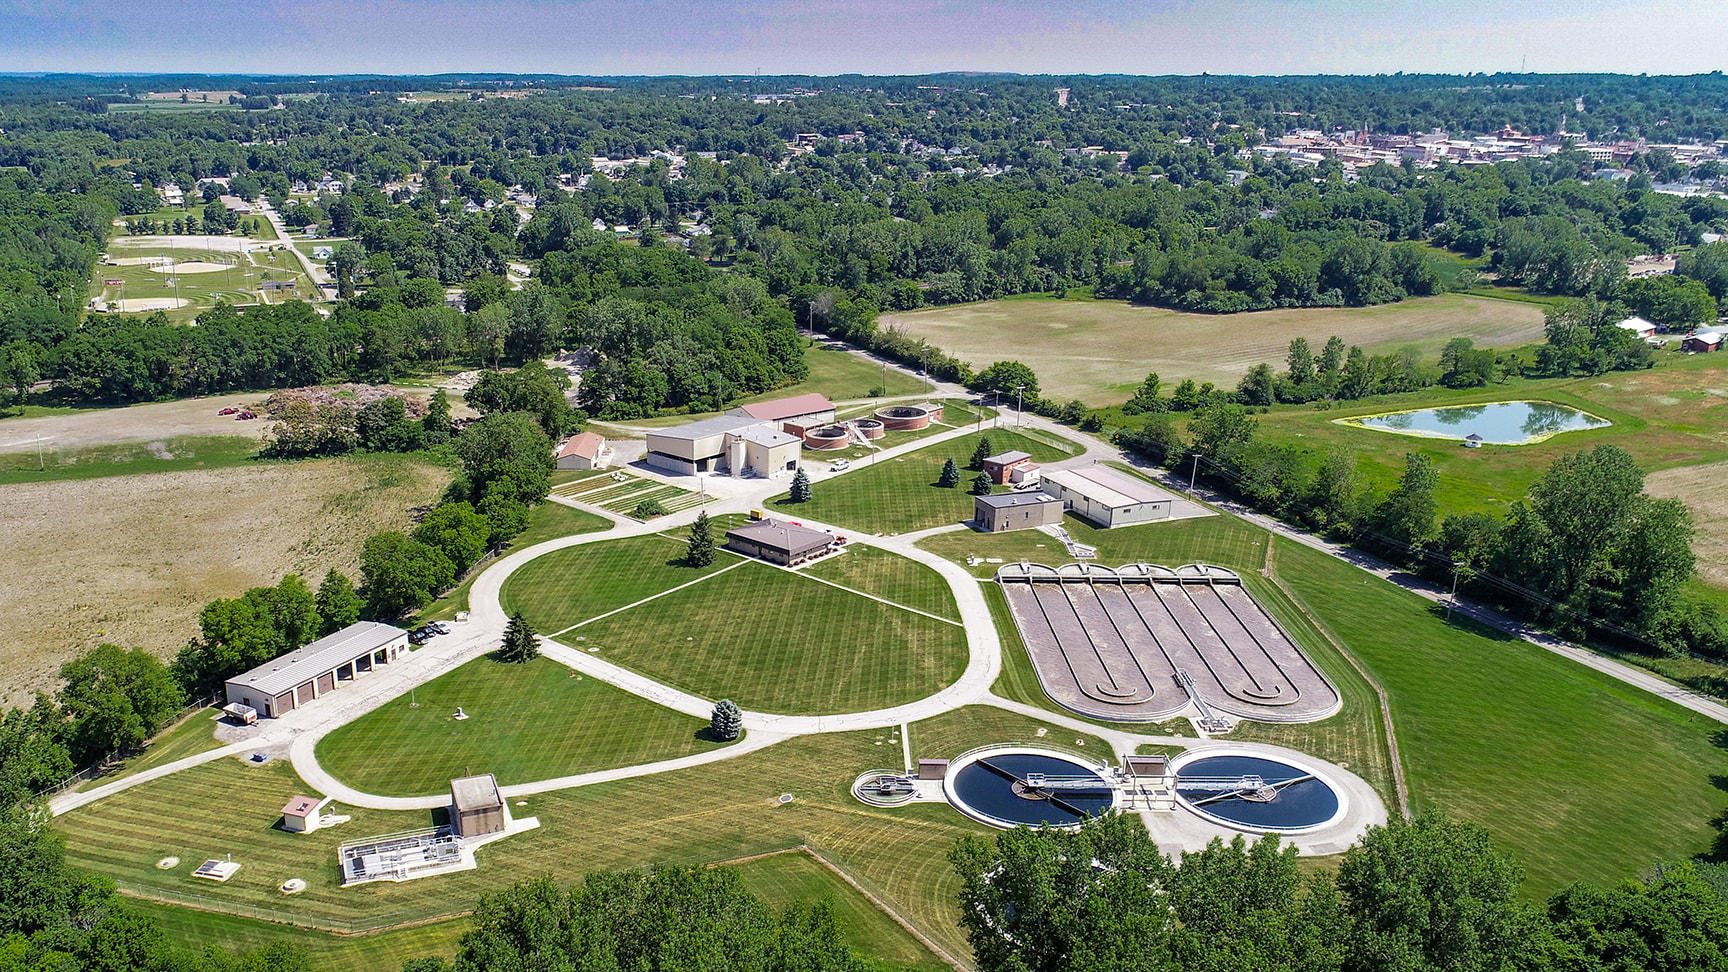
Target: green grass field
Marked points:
779	880
195	288
688	817
526	722
127	459
190	736
782	879
889	576
1099	350
776	642
195	928
1673	415
1580	776
900	495
579	583
841	376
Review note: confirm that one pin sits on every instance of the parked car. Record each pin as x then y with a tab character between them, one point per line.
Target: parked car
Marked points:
840	465
439	627
417	637
228	411
243	416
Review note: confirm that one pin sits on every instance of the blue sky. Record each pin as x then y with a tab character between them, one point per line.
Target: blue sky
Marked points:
865	36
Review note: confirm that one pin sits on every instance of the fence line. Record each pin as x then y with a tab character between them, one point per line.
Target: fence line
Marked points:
106	762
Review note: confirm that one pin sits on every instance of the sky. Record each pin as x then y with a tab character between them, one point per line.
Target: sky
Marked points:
618	37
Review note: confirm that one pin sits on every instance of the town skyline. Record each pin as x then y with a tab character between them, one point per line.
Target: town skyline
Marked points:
704	37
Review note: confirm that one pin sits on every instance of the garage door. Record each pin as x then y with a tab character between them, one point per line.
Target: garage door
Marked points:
303	694
283	703
326	682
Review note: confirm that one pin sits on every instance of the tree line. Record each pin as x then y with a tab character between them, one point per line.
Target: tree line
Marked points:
1428	894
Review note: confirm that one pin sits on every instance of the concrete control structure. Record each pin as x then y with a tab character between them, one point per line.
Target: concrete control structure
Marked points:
282	684
477	807
1000	512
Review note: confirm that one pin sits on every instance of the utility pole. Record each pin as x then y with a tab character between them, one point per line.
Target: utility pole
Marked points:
1194	476
1020	404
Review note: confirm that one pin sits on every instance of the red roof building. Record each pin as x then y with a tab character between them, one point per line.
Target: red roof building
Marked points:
805	409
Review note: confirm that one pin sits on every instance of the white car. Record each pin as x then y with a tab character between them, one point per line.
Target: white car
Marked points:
840	465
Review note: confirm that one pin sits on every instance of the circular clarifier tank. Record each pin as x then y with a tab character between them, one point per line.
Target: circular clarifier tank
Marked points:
1257	794
1034	787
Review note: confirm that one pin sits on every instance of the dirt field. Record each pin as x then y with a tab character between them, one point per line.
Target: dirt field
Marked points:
132	559
1098	351
156	420
1699	487
135	423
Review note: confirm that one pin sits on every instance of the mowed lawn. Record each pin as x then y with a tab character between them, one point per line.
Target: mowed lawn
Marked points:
841	376
900	495
781	880
1671	416
1099	350
566	586
776	642
526	722
889	576
196	928
696	816
1580	776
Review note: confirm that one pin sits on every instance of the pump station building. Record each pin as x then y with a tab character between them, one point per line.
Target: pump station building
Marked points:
287	682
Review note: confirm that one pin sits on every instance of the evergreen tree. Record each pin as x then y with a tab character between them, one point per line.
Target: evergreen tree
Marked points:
519	644
950	477
800	487
981	485
727	721
701	552
981	453
437	420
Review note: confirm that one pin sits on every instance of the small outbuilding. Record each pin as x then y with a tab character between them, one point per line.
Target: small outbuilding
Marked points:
477	806
1638	326
1703	341
1473	441
1000	512
1108	497
301	814
1000	467
779	542
584	450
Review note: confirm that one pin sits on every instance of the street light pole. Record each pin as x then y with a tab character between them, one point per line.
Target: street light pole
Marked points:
1194	476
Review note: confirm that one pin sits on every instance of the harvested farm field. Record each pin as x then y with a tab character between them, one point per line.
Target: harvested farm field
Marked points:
1099	350
132	559
1700	488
